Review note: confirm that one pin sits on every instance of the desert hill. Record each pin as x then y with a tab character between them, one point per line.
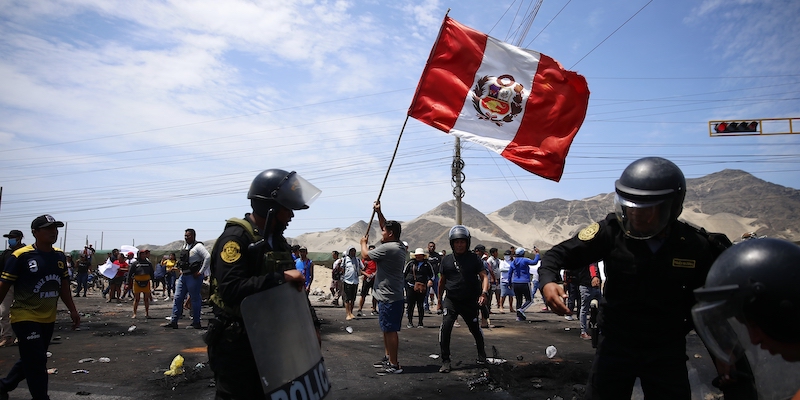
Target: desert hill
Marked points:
730	201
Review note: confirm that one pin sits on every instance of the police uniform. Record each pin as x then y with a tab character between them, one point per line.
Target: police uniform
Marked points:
645	312
237	271
37	278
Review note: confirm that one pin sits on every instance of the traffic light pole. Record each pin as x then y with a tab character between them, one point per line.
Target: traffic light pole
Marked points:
753	127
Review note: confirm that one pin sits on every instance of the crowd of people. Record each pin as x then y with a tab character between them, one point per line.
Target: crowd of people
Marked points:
733	296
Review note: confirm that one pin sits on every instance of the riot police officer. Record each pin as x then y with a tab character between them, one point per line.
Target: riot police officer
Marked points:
750	298
652	264
250	256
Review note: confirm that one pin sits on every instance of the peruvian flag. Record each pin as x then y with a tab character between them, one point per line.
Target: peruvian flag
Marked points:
518	103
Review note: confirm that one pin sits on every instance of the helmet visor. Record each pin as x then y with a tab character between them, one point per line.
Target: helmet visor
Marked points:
295	192
641	219
718	326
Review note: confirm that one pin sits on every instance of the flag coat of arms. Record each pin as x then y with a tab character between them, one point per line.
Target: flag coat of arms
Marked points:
516	102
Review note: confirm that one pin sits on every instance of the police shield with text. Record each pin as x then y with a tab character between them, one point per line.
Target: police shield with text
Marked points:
250	257
750	299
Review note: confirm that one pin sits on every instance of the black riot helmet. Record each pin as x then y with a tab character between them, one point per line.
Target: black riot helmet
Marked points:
649	196
459	232
753	283
274	187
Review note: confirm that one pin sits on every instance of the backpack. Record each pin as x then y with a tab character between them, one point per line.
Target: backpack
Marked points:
183	261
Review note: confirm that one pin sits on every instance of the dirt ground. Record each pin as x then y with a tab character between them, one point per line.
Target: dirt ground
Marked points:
140	350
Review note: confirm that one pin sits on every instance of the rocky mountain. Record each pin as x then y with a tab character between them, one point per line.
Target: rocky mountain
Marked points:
730	201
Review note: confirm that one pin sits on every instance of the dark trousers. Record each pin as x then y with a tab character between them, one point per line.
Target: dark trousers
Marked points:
661	370
34	339
469	312
235	371
83	282
415	299
523	291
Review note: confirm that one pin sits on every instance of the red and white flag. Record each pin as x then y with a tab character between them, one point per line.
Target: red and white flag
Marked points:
518	103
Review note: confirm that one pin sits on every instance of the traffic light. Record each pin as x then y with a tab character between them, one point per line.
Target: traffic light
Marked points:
736	126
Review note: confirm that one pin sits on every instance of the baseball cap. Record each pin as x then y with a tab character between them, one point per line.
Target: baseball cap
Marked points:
520	251
43	221
507	253
480	247
14	233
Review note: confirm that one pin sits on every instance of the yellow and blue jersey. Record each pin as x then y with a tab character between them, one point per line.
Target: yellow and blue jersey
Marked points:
37	277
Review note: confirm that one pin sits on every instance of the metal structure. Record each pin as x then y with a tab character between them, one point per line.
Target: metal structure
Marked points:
458	178
753	127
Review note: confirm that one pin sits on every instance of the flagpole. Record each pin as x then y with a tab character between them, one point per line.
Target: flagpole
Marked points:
383	185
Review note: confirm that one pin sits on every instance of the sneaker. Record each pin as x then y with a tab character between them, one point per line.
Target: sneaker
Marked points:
373	312
382	363
569	317
420	326
173	325
521	316
445	368
586	336
409	326
359	314
193	326
392	369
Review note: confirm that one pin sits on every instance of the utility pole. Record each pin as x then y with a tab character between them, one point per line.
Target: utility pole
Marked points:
457	170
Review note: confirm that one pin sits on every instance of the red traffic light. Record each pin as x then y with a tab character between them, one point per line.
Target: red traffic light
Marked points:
736	126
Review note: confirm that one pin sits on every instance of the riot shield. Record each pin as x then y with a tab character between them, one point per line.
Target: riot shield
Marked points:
284	342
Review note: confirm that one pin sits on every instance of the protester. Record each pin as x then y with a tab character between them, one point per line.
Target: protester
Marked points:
193	262
390	257
7	336
418	274
252	255
336	277
306	266
520	278
141	274
82	270
589	281
465	282
160	277
39	276
434	259
173	272
370	269
506	290
352	273
494	274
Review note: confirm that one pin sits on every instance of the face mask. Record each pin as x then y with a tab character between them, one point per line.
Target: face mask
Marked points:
12	242
508	258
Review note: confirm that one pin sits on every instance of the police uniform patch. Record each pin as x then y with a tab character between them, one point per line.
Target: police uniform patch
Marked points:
231	252
589	232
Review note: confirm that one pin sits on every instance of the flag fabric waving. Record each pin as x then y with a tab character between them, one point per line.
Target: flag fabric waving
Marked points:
516	102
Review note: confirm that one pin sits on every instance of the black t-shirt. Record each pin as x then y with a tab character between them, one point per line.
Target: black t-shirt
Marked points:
462	276
434	258
82	267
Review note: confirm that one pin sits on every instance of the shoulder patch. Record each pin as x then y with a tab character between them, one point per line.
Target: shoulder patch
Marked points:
589	232
231	252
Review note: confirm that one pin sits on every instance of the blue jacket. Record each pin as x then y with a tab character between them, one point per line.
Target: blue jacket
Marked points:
520	271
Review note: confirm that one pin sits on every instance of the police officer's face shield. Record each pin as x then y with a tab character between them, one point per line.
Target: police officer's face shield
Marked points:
295	193
719	321
726	333
642	219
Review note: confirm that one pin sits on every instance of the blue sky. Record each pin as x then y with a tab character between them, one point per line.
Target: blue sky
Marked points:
132	121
